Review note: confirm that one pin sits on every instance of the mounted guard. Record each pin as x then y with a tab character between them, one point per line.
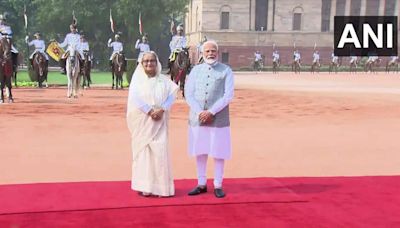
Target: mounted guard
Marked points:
178	42
72	41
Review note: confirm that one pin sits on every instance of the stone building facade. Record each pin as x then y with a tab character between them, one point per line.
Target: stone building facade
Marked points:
243	26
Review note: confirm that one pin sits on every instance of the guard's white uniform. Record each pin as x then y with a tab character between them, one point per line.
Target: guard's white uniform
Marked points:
143	47
116	46
85	47
40	46
72	40
315	57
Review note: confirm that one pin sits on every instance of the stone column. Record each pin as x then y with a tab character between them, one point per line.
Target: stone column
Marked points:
270	15
333	14
381	11
253	13
347	8
363	7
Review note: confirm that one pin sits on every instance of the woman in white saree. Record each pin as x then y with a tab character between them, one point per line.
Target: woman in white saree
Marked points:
151	94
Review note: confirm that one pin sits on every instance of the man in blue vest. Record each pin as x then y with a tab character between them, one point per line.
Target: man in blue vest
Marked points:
208	92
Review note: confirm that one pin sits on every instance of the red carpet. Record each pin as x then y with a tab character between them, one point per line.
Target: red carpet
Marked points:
254	202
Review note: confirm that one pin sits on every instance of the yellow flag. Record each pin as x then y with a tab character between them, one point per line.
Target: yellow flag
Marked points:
55	51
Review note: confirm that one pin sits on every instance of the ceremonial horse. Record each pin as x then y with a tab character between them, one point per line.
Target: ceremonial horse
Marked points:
392	63
40	68
15	59
118	67
86	71
353	66
73	72
296	66
315	66
180	68
335	64
275	65
6	69
372	65
258	65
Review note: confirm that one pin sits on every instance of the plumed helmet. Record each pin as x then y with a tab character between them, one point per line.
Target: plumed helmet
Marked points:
179	28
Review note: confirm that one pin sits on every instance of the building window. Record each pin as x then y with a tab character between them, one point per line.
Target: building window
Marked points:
340	7
224	20
372	8
355	7
225	57
390	6
296	21
261	15
325	15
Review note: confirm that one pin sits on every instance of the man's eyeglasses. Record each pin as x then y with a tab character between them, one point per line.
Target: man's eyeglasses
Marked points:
149	61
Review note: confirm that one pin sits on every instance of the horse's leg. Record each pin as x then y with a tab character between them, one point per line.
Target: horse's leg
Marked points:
121	80
69	90
15	78
2	84
78	82
182	82
112	87
84	80
9	86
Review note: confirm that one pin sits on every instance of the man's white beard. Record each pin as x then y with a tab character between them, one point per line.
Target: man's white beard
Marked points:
210	61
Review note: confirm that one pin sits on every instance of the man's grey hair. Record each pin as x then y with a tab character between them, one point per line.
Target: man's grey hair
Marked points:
209	42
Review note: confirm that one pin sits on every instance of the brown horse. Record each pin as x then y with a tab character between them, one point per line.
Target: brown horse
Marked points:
392	63
275	66
16	60
180	67
353	66
371	66
6	69
315	66
296	67
335	64
86	71
118	67
40	68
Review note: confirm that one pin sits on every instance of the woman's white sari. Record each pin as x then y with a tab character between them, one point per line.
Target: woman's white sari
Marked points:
151	171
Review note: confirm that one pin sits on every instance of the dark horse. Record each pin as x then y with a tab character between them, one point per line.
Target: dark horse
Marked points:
86	71
118	67
392	63
15	60
335	64
371	66
180	67
275	65
6	69
296	67
315	67
40	68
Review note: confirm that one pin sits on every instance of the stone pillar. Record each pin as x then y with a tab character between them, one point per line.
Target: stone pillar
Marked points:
333	14
347	8
363	8
270	15
253	13
381	11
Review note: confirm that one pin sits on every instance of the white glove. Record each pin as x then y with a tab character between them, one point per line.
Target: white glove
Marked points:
26	39
109	40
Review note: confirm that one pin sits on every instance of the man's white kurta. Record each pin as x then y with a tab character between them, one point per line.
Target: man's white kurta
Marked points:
210	140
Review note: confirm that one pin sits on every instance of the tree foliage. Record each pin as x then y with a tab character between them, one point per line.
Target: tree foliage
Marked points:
52	18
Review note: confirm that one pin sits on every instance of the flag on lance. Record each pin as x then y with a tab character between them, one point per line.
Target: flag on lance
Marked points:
140	23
